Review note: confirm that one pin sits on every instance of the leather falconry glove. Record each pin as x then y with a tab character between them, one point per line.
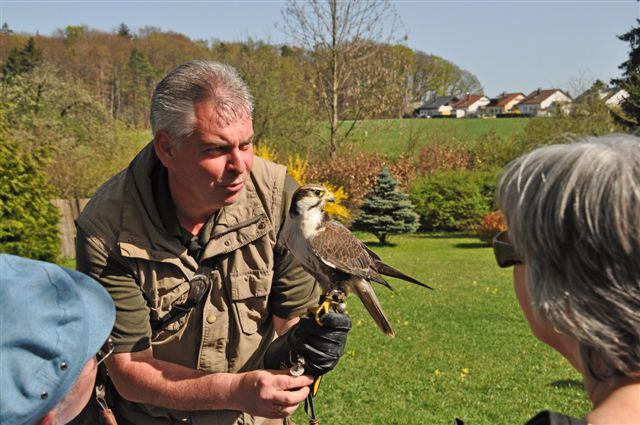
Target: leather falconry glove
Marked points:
320	346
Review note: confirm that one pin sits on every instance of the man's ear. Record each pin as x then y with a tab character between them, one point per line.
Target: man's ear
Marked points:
164	147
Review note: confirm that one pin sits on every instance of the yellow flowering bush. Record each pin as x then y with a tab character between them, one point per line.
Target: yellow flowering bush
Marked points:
297	168
264	151
337	209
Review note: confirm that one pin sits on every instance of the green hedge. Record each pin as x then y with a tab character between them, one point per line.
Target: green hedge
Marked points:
454	200
29	222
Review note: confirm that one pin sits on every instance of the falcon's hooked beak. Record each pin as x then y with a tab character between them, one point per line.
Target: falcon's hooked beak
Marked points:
309	197
328	197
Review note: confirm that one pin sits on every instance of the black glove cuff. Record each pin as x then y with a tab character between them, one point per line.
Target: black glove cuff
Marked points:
279	354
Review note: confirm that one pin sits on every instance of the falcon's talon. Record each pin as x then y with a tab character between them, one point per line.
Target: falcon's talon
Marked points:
321	310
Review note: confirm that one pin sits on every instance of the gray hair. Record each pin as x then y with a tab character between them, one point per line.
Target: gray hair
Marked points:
573	213
174	99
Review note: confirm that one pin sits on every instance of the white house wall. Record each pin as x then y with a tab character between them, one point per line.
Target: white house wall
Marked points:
477	104
617	98
509	106
554	98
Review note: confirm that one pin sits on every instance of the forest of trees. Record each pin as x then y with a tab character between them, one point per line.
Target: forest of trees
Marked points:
77	97
120	70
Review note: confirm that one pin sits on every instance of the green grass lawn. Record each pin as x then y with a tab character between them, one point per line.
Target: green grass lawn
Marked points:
69	263
463	350
393	137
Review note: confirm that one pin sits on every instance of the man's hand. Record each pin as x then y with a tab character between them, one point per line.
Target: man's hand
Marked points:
270	393
320	346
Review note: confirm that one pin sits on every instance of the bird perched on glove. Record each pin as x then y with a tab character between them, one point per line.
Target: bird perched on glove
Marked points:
333	255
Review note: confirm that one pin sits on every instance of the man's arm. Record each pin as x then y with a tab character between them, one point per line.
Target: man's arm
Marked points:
282	325
141	378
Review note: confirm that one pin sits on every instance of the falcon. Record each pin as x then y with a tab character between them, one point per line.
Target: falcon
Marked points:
334	256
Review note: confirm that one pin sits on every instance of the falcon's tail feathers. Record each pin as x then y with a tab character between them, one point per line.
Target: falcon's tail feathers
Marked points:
371	303
375	277
387	270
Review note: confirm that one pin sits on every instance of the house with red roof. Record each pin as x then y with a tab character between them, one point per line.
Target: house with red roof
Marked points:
469	106
503	104
544	102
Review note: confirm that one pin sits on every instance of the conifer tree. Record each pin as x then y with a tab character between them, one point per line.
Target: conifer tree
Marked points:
21	60
386	210
29	225
630	80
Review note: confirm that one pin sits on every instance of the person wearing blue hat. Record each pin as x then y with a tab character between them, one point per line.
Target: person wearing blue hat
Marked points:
53	323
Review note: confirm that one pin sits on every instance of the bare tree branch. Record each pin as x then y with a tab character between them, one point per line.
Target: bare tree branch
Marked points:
344	37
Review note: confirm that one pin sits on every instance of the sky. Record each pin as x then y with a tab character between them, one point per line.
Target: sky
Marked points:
511	46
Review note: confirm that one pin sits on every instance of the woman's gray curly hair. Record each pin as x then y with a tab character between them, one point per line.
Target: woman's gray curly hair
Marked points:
173	101
573	213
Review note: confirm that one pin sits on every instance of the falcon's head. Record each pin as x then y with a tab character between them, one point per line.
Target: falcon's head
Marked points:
308	198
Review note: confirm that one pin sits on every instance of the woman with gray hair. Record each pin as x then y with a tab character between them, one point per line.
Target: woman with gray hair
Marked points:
573	214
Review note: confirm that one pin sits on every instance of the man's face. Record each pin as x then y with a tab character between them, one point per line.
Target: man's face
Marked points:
209	169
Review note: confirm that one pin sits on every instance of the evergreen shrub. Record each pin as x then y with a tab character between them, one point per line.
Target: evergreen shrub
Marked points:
29	221
454	200
386	210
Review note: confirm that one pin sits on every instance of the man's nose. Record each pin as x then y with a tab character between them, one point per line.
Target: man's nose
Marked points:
236	161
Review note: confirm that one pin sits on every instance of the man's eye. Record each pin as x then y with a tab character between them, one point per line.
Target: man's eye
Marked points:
245	146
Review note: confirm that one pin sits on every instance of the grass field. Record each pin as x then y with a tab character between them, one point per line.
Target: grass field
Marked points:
393	137
390	138
463	350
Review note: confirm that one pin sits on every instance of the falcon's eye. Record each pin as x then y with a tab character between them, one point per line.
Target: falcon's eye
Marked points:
318	192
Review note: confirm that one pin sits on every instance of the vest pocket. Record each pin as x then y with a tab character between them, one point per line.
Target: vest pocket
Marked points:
250	294
169	292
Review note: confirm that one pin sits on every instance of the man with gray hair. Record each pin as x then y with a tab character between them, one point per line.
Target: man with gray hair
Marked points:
185	241
573	214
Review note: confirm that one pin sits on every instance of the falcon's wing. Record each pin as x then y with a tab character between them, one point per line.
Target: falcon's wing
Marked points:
336	246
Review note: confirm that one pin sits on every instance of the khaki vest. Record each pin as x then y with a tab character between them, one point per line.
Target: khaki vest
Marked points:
231	330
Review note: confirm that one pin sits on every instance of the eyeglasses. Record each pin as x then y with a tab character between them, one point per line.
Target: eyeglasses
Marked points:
105	351
506	255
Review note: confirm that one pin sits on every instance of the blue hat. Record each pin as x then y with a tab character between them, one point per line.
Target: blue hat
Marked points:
52	322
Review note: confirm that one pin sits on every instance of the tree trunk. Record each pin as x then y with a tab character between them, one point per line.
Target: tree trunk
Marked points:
334	79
